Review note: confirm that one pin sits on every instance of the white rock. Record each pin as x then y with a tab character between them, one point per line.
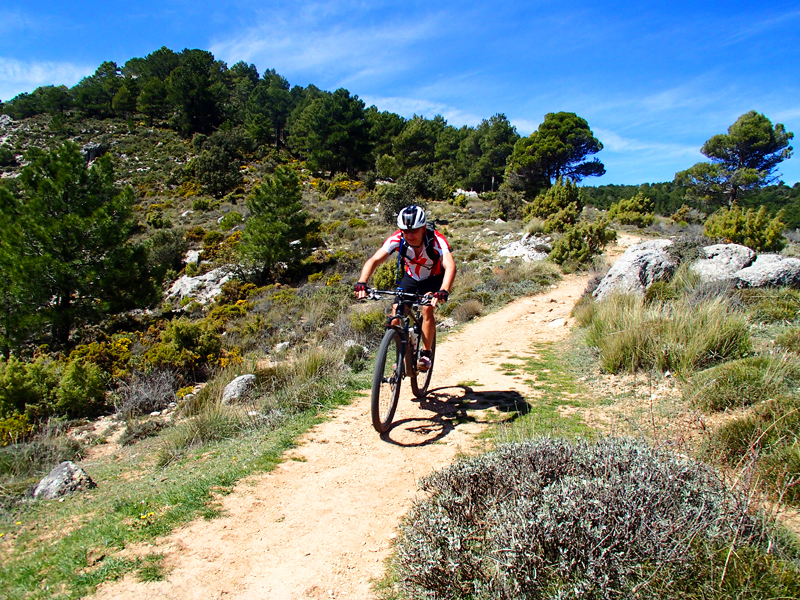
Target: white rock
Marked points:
238	388
202	288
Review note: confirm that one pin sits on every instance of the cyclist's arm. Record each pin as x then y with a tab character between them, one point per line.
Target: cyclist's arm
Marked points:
369	267
449	264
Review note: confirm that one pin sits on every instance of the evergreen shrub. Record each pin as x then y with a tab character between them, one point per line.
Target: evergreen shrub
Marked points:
752	228
579	244
637	211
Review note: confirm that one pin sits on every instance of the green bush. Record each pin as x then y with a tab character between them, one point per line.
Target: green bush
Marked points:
422	185
356	357
17	390
579	244
340	185
356	223
755	229
636	211
564	194
743	382
195	234
461	201
14	429
562	220
551	519
230	220
369	323
186	346
393	198
508	204
201	204
82	390
385	276
156	219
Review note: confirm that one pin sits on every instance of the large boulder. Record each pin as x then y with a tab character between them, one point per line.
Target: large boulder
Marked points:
65	479
203	288
237	388
769	270
642	265
720	262
529	248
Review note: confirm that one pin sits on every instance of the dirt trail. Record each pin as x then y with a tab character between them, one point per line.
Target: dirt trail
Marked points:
321	525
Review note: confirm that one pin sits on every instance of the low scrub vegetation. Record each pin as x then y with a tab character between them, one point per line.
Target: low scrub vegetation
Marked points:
743	382
616	518
681	336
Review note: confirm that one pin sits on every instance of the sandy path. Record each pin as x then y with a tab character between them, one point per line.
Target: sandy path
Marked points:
320	526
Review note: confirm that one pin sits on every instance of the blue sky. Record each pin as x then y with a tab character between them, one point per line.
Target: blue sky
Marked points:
654	80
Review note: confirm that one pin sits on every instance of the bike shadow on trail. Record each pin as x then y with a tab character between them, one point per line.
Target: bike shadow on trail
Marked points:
453	406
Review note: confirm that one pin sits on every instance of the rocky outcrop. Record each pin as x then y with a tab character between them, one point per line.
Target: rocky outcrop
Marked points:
65	479
642	265
769	270
238	388
92	150
720	262
529	248
203	288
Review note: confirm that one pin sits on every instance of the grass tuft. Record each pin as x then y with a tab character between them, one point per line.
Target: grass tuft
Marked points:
632	335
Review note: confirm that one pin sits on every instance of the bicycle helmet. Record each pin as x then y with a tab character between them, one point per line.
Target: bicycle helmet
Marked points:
411	217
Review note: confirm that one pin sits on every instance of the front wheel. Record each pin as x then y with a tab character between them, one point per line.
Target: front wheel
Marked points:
386	381
420	380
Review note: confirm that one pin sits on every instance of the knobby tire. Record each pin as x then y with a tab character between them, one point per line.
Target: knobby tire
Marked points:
387	381
420	380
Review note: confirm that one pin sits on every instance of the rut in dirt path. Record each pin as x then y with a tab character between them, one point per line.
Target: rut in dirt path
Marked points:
320	525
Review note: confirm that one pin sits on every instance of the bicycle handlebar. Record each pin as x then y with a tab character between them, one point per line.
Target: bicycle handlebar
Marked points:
423	300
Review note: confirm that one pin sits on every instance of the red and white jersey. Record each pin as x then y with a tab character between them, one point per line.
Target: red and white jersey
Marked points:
422	266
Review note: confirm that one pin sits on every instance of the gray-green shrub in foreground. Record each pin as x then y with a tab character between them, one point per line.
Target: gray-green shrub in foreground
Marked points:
613	519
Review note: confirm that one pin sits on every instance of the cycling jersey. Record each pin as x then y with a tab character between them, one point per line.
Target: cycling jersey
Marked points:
423	266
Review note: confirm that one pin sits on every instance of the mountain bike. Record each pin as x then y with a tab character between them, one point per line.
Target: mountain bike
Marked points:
398	356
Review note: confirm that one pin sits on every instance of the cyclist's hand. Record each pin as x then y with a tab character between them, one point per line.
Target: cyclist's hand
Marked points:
440	296
360	289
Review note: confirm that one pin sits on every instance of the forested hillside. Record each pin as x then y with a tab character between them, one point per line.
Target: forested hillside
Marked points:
278	183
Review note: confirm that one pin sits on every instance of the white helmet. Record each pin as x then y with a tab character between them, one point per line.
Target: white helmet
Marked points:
411	217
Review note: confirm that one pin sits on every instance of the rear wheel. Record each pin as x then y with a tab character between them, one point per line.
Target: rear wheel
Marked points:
386	381
420	380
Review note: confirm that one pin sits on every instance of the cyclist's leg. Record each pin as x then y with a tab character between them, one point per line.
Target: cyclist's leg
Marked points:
428	327
430	285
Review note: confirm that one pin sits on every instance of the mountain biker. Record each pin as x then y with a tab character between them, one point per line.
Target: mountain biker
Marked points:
429	268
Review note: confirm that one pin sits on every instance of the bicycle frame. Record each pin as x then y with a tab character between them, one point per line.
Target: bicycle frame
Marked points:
397	356
410	316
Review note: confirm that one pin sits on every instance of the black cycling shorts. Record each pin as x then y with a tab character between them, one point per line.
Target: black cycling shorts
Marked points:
412	286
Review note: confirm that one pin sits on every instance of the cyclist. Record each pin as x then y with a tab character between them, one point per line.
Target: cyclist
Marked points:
428	264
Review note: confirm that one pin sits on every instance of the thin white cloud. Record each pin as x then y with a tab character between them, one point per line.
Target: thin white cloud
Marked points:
614	142
308	43
758	28
18	76
12	21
